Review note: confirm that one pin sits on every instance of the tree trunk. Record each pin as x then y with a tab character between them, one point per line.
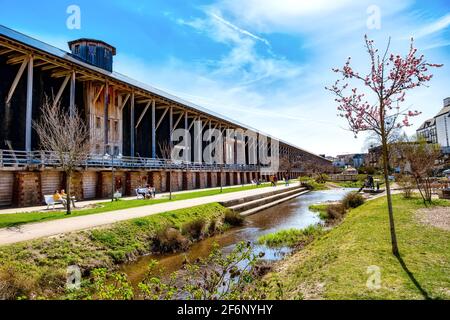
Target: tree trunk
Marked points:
395	251
68	192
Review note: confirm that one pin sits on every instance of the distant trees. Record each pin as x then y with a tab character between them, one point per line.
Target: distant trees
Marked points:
389	78
65	135
418	158
318	170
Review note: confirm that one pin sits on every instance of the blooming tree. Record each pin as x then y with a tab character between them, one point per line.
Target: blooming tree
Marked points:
389	79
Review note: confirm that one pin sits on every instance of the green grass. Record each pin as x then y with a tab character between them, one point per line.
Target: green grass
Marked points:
313	184
321	208
16	219
38	267
290	237
336	265
349	184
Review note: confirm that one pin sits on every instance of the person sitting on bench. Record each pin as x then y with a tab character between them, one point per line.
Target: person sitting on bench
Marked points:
57	197
152	191
64	196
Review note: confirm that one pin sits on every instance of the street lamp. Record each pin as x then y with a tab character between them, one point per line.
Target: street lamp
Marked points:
113	182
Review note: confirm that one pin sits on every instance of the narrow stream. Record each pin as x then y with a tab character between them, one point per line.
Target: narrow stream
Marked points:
291	214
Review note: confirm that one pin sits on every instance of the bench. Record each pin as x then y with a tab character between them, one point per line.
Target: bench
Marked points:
142	193
117	195
49	201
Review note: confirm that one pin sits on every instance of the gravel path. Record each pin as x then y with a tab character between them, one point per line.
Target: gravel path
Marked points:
438	217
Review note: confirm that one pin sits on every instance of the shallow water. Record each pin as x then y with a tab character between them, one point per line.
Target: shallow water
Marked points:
291	214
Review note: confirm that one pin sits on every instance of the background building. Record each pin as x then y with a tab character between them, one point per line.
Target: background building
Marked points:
437	129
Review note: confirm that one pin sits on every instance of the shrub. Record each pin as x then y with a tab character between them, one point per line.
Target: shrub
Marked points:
233	218
407	184
194	229
170	239
335	211
352	200
14	284
311	184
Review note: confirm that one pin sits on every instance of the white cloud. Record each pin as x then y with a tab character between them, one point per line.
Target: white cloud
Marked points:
244	60
433	27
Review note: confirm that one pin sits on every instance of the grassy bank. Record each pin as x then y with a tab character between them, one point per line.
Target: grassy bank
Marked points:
339	264
16	219
291	237
38	268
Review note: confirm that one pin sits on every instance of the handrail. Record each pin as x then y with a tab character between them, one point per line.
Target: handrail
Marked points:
24	159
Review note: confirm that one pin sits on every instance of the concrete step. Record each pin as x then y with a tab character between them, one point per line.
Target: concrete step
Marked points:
235	202
271	204
264	199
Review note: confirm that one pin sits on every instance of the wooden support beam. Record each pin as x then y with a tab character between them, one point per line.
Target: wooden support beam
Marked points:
98	94
5	51
154	129
143	114
143	101
60	74
16	81
16	60
162	117
29	106
124	102
132	128
177	122
40	64
106	113
72	94
192	123
50	67
186	137
61	90
171	127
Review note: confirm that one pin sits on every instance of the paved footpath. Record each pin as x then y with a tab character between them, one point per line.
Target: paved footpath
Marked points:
55	227
85	203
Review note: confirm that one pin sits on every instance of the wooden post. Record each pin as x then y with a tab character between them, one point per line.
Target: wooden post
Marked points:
170	127
186	128
72	93
153	129
106	115
29	109
132	127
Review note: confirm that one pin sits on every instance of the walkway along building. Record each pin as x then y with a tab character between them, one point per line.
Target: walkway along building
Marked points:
124	117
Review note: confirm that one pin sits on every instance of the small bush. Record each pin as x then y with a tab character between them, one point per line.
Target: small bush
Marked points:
170	239
14	284
407	184
213	227
335	211
233	218
194	229
352	200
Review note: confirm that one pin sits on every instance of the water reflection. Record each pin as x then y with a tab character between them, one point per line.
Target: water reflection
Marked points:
291	214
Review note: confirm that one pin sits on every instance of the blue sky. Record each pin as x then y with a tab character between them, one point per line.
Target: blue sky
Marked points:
262	62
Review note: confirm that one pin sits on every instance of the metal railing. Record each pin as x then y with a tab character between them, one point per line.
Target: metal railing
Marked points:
23	159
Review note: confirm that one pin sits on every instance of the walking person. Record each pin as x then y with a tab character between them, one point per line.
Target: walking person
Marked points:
272	181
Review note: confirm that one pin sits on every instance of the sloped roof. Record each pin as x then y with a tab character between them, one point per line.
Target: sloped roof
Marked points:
54	51
443	111
427	123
